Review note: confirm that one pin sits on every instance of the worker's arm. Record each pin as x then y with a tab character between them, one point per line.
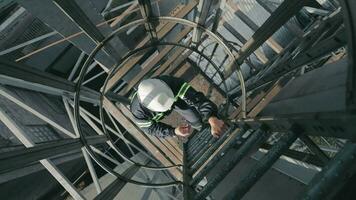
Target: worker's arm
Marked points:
206	108
203	105
158	129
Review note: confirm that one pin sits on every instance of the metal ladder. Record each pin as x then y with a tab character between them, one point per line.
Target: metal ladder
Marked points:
203	152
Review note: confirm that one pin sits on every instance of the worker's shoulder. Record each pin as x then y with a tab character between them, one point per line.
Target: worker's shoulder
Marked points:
135	105
136	108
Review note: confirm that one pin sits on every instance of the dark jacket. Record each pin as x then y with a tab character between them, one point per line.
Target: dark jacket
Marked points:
149	121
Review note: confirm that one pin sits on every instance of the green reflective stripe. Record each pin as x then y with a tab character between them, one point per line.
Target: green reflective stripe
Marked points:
183	90
158	117
144	124
133	96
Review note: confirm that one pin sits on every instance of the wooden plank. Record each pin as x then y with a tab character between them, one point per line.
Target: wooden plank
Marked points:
156	141
258	102
182	70
175	145
125	14
171	148
259	54
154	61
265	100
162	30
172	58
140	136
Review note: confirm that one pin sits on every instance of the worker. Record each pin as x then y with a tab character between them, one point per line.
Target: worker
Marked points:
157	97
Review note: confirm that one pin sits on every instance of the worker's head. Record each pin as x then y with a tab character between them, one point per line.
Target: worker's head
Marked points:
155	95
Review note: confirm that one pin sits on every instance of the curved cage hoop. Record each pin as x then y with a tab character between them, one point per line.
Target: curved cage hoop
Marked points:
112	71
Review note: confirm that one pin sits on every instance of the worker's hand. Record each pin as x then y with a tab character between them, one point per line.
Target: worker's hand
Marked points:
183	130
218	126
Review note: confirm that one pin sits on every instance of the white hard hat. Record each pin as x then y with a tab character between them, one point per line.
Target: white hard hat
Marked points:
155	95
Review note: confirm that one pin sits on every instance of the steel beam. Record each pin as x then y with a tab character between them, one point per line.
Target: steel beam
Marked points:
77	15
270	41
147	13
300	156
304	50
38	167
92	171
10	96
219	12
251	102
314	148
259	54
332	178
125	14
201	15
236	158
19	46
261	167
277	19
177	154
291	26
271	93
350	20
76	66
28	78
121	136
50	14
20	158
55	172
173	61
73	11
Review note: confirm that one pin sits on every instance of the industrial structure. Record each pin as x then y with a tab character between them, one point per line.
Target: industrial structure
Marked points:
282	73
